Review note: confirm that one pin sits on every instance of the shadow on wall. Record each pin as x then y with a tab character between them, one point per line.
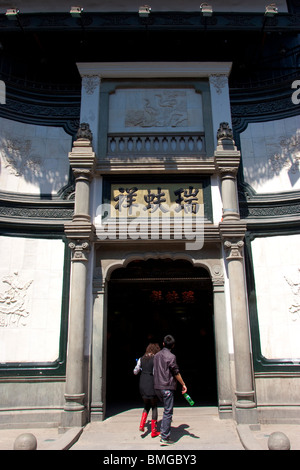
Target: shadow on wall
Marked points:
34	159
271	162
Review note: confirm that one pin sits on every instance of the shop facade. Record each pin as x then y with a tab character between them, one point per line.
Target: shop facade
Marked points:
153	209
115	249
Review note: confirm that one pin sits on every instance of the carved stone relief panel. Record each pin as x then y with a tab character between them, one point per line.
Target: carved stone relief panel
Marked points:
276	262
31	282
155	110
14	310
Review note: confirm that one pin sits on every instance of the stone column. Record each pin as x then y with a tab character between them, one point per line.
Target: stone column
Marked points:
227	159
233	235
98	353
222	351
232	232
80	232
74	393
81	209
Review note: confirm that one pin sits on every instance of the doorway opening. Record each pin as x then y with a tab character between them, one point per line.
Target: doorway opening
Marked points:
146	301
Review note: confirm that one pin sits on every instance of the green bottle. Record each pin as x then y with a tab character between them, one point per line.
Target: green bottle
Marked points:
188	399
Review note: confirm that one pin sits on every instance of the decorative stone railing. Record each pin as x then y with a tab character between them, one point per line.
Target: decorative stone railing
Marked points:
155	144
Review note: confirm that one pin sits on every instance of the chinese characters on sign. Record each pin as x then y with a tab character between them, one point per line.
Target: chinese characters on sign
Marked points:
163	211
186	297
188	198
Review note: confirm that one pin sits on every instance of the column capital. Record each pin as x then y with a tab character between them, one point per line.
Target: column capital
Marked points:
80	250
84	174
227	162
235	249
232	234
82	158
217	278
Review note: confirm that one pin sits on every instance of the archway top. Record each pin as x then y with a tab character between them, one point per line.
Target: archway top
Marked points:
212	266
166	268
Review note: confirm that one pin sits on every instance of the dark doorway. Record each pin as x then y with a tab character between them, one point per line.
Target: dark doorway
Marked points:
146	301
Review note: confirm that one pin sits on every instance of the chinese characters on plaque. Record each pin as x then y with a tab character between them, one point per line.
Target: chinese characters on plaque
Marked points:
167	197
155	210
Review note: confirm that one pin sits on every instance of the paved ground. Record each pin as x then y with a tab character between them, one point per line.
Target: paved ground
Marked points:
192	429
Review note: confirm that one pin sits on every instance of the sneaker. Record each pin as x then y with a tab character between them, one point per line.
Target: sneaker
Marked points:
166	442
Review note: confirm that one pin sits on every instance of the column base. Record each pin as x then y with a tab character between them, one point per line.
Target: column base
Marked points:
98	410
230	215
71	419
225	409
81	218
246	415
245	408
74	401
74	411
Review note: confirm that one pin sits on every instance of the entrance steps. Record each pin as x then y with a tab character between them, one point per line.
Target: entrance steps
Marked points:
193	428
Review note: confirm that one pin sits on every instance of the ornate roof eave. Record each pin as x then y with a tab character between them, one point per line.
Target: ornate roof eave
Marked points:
159	21
40	108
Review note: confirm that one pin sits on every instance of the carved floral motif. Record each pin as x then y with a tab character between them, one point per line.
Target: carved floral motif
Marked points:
90	83
288	157
13	309
219	81
295	288
18	157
